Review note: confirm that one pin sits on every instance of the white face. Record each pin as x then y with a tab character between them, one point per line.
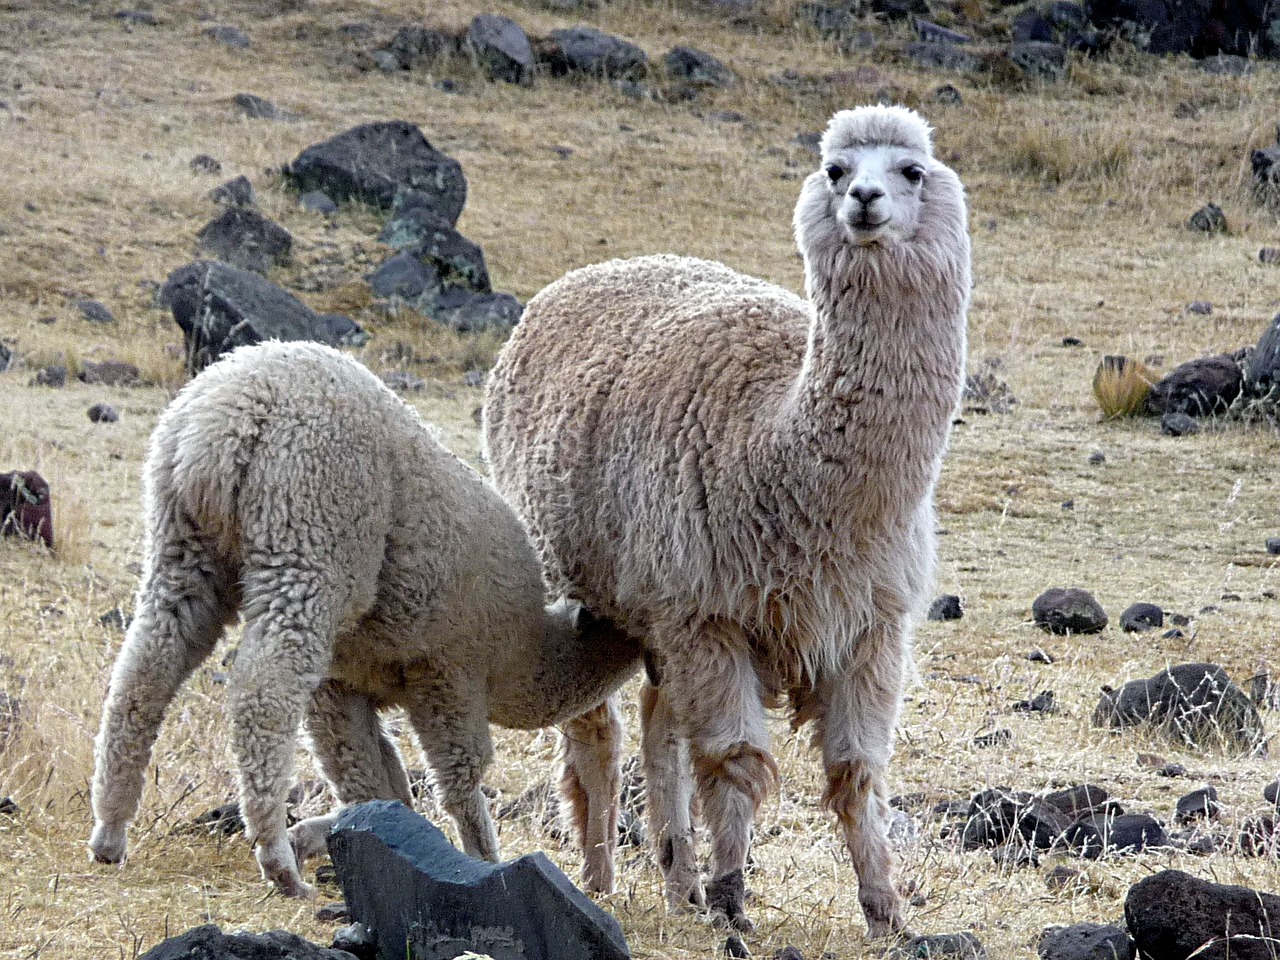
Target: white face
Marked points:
875	191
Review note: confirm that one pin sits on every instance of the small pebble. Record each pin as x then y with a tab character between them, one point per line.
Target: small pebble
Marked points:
993	739
1072	342
1200	307
1179	425
333	913
1273	545
103	413
317	201
95	312
1039	656
1270	255
1097	457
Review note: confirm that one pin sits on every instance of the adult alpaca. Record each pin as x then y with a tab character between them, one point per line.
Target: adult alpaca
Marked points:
745	479
286	484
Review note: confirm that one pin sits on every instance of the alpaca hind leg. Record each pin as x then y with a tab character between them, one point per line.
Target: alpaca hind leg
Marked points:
290	625
590	784
355	755
454	737
668	785
182	610
715	695
856	728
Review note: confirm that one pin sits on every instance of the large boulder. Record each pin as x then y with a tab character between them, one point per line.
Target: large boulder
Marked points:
246	239
422	898
220	307
210	943
1262	369
1175	916
1085	941
1202	28
1194	702
26	506
1198	387
501	47
374	161
434	241
593	53
1069	610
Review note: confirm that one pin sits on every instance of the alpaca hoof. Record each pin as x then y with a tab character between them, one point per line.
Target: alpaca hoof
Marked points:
725	896
884	916
597	880
278	865
108	844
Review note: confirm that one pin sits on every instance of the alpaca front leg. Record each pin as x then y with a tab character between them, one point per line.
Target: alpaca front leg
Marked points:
715	695
858	717
454	736
668	784
590	784
355	756
179	619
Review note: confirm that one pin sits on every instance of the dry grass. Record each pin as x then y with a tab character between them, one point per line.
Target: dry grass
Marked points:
1079	197
1121	386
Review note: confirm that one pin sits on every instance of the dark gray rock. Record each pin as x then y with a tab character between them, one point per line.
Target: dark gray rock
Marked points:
469	312
1068	611
210	943
943	56
434	241
1259	837
116	619
405	278
1085	941
1031	24
317	201
95	312
1179	425
259	108
931	32
9	807
1199	804
224	820
6	358
420	896
593	53
696	67
1042	702
961	946
1078	801
386	61
1271	793
54	375
1273	546
734	947
220	307
228	36
1174	916
1039	656
1140	617
246	239
371	162
26	507
1262	368
1201	308
1099	835
1198	387
136	18
1038	60
401	381
355	938
1194	702
415	46
829	19
948	95
946	607
237	192
203	163
501	47
1208	219
996	738
109	373
999	814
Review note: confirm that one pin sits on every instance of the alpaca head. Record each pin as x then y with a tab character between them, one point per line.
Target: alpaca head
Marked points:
880	191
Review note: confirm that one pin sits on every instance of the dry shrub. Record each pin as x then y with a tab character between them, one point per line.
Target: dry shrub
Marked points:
1063	155
72	523
1121	386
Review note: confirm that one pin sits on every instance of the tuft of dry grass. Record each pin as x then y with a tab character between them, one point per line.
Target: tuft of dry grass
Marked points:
1121	386
1078	196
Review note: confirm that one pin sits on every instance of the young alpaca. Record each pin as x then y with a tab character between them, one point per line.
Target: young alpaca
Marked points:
745	479
372	568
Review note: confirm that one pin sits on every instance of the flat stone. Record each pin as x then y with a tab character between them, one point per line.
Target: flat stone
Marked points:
1199	804
260	108
588	51
109	373
1078	801
228	36
697	67
931	32
1173	916
1085	941
946	607
221	307
469	312
421	897
372	162
95	312
1099	835
210	943
1068	611
1140	617
962	946
1198	387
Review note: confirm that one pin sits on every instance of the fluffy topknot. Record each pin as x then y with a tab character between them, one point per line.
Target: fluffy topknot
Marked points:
877	125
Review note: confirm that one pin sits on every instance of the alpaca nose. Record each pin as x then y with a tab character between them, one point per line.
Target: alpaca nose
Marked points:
866	195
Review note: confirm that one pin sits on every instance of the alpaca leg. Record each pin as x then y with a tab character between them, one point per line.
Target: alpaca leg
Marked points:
181	613
454	737
355	755
715	695
856	728
590	785
668	797
285	653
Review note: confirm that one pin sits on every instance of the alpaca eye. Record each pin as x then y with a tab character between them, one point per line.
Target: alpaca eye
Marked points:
913	173
835	172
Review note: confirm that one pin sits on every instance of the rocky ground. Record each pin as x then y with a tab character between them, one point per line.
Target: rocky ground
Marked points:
1084	164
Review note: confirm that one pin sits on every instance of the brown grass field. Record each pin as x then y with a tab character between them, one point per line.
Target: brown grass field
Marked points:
1079	195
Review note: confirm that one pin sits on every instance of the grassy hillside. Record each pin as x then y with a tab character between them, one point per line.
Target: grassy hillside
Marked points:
1079	195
